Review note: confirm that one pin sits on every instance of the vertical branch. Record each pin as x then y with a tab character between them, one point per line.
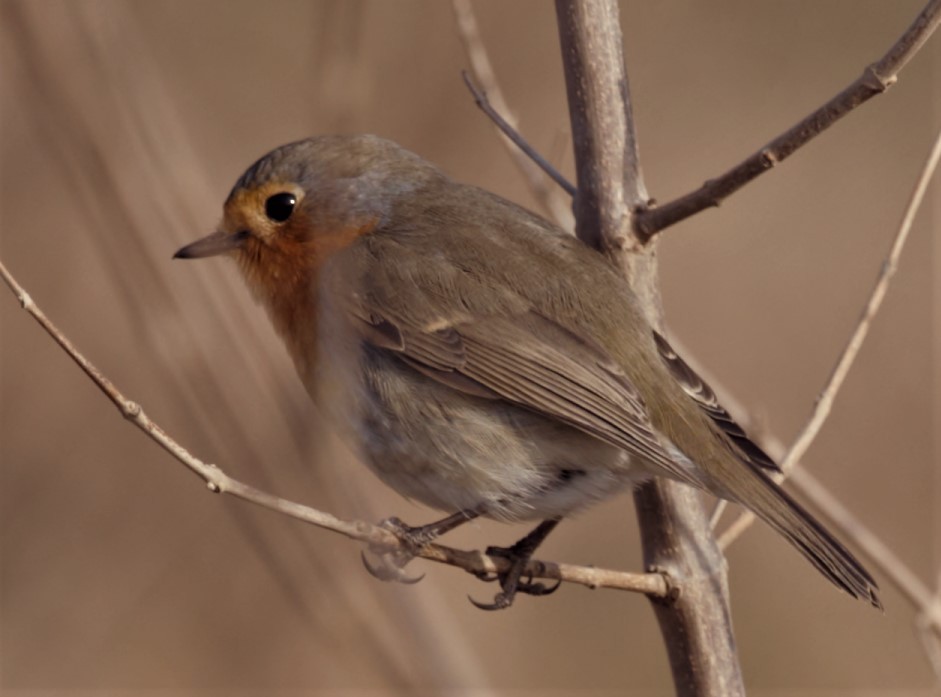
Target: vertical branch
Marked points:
607	164
696	624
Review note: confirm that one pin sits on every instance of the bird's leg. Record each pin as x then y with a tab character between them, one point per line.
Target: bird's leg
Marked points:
391	564
423	534
519	555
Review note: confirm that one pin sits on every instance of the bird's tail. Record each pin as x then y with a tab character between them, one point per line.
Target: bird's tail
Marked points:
773	505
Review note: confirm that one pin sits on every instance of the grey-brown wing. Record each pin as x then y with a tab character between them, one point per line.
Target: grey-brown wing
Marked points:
703	395
531	361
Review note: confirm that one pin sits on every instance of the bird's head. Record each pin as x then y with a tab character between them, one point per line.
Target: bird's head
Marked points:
305	201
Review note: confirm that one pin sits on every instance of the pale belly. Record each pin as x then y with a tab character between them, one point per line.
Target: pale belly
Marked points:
453	451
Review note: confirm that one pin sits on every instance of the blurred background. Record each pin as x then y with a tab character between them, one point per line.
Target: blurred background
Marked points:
124	124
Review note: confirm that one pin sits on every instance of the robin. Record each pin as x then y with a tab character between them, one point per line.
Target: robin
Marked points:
483	361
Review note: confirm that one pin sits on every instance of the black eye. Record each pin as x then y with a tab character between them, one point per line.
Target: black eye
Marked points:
280	206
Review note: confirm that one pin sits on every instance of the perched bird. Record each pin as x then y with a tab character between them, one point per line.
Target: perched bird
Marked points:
483	361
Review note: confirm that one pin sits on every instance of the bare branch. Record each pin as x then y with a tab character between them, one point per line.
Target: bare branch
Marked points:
696	628
825	402
480	98
379	539
876	79
522	153
608	172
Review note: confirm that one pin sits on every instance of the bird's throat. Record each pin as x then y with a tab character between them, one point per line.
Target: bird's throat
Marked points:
287	286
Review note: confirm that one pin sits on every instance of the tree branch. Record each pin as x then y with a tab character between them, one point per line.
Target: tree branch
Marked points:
696	626
378	538
876	79
607	163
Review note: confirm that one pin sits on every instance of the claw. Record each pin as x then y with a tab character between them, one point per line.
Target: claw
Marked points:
504	598
486	576
391	564
501	601
388	570
511	580
530	588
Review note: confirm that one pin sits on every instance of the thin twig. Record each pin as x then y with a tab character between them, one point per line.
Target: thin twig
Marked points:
876	79
825	402
522	145
889	267
523	154
378	538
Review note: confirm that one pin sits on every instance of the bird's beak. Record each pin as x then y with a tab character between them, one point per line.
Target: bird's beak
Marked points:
218	242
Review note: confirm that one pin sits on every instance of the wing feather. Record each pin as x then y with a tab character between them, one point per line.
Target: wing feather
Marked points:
531	361
702	394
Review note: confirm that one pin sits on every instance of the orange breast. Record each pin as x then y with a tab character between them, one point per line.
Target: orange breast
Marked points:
284	273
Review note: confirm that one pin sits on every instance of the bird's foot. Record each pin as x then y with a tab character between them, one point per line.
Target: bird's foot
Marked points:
390	565
511	580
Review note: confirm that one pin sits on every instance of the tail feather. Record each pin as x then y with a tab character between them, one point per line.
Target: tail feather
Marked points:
773	505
